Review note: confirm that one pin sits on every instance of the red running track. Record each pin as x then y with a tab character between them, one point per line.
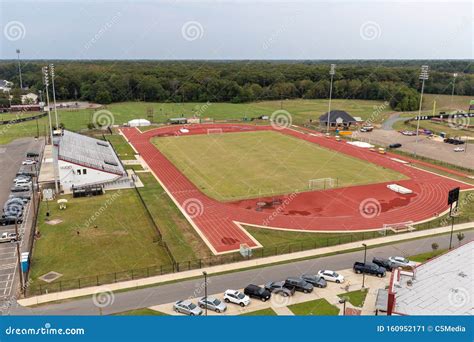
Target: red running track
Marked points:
353	208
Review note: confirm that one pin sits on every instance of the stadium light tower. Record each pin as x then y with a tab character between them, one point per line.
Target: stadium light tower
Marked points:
332	72
46	85
454	82
423	78
51	69
19	68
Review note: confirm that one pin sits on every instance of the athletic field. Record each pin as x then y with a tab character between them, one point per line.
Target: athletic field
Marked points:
234	166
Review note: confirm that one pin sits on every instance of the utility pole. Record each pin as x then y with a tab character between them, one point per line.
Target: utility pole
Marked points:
205	291
452	93
332	72
423	78
365	260
19	68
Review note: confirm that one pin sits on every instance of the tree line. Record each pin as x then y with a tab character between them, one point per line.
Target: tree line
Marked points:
242	81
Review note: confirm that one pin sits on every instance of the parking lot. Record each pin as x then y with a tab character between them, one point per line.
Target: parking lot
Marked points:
11	157
426	147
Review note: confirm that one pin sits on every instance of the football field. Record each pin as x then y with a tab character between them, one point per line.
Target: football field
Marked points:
233	166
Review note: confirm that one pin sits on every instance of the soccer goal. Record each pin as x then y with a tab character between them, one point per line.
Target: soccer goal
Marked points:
214	131
322	183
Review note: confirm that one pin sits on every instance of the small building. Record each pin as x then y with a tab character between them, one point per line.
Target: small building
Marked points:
82	161
139	123
178	121
5	86
337	119
440	286
30	98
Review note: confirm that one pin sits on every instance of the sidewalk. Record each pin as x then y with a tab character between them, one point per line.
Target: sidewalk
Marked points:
236	266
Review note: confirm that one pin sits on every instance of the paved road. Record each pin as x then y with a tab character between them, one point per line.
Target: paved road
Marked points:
163	294
393	118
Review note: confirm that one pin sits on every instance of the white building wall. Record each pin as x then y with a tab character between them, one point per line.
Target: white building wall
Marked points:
74	175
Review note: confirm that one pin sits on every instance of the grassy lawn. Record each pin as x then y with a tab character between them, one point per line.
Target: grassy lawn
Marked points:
123	149
141	312
356	298
180	236
136	167
97	235
244	165
263	312
428	255
301	111
318	307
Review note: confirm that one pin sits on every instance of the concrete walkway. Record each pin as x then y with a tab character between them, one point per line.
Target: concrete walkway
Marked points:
236	266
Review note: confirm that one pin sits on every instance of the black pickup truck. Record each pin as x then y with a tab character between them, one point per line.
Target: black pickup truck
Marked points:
369	268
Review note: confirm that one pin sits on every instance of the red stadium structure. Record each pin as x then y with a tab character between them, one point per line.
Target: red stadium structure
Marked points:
355	208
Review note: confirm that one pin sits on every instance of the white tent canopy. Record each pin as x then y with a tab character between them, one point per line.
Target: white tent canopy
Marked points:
139	123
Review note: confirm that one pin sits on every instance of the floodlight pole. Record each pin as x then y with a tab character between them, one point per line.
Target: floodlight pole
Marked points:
332	71
18	254
51	68
205	291
423	78
452	226
46	84
19	68
454	82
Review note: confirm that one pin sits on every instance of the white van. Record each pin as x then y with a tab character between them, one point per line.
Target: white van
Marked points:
22	182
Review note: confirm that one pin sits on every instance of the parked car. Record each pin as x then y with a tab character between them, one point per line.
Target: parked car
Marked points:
278	287
385	263
32	154
212	303
8	220
28	162
20	188
401	261
255	291
329	275
314	280
22	182
8	237
236	297
24	196
396	145
459	149
299	285
187	307
369	268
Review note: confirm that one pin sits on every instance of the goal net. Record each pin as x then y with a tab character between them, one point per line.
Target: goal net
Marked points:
214	130
322	183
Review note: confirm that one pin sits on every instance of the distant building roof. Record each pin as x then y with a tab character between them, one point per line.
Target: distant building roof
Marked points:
441	286
89	152
337	116
138	122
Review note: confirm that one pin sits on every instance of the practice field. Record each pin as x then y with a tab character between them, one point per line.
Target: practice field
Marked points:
234	166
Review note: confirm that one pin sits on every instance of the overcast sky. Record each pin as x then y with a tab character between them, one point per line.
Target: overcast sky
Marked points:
236	29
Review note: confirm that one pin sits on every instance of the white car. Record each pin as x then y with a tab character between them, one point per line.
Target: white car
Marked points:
236	297
401	261
329	275
459	149
28	162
